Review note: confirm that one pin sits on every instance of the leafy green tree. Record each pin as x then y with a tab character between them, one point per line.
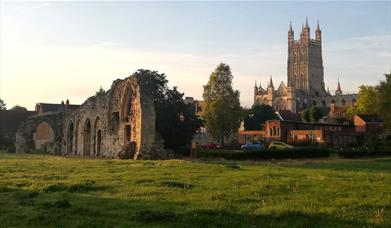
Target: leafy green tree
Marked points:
312	114
18	108
153	82
175	121
367	102
315	114
258	115
384	100
305	115
221	107
2	105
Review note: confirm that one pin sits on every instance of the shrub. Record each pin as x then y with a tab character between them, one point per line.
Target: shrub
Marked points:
365	151
266	154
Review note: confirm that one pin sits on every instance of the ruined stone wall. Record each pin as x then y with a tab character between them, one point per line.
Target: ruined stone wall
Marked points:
117	123
25	135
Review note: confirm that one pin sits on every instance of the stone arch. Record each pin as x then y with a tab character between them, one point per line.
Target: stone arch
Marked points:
98	142
137	120
333	101
77	137
43	133
323	103
97	137
314	103
343	102
87	138
69	137
44	136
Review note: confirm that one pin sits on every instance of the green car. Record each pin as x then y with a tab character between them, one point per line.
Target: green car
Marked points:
280	146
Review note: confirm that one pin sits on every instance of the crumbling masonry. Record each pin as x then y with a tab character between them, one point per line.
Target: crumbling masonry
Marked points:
119	123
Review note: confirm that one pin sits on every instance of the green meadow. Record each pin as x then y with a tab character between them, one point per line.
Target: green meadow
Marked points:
49	191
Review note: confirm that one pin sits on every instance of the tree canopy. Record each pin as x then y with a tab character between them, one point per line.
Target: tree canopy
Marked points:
175	120
384	100
367	102
18	108
311	114
258	115
374	100
2	105
221	106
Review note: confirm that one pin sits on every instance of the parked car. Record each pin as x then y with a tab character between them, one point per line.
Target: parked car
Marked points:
254	146
280	146
210	146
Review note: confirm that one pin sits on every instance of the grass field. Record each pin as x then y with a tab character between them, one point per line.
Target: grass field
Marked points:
49	191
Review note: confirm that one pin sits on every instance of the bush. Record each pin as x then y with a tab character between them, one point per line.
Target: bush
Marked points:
266	154
365	151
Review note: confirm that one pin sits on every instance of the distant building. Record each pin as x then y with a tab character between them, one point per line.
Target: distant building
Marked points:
370	125
305	85
302	132
46	108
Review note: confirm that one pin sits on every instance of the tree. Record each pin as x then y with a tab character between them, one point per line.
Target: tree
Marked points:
315	114
175	121
18	108
311	114
384	100
221	106
367	102
2	105
305	115
258	115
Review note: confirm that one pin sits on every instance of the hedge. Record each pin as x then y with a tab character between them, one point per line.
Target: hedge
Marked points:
266	154
365	151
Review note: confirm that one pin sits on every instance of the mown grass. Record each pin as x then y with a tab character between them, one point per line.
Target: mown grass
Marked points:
49	191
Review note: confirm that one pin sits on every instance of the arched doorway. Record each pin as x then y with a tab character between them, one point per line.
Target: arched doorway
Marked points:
70	137
98	142
97	137
87	138
44	137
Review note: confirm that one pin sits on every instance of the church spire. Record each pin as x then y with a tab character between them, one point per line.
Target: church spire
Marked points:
255	86
317	26
318	33
306	22
338	91
290	26
338	86
271	82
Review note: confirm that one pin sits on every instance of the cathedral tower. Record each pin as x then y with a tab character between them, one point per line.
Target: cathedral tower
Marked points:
305	64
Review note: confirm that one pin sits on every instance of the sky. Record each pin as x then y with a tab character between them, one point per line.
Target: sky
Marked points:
53	51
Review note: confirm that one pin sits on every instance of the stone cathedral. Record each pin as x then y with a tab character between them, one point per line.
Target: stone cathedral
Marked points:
305	86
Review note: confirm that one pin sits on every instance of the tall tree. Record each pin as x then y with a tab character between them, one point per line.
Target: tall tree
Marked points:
221	106
312	114
258	115
2	105
384	100
367	102
175	121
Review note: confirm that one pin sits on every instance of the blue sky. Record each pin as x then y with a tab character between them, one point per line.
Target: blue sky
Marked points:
58	50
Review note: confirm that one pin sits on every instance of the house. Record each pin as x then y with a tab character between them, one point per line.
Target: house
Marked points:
370	125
